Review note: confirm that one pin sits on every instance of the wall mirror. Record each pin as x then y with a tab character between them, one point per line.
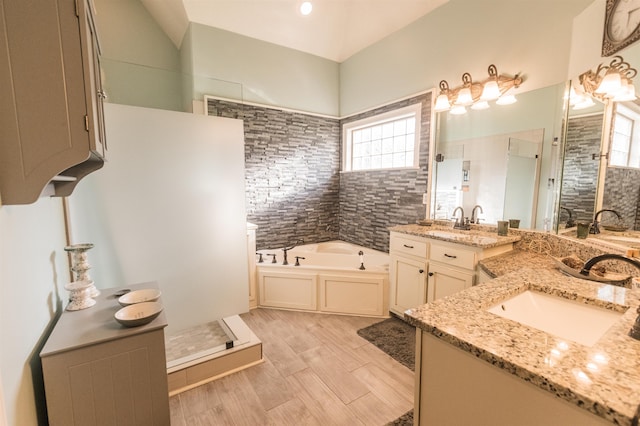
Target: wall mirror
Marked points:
504	159
601	168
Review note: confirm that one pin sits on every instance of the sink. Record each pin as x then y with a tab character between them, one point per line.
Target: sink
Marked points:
568	319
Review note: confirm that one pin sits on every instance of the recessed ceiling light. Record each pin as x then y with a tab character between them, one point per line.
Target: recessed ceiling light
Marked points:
306	8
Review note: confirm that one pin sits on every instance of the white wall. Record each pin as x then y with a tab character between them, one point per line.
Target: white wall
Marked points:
168	206
33	272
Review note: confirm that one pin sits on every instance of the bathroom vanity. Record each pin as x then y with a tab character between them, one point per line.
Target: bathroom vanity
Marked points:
431	262
476	367
97	371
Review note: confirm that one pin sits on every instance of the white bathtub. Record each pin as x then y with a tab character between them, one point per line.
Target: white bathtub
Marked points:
327	280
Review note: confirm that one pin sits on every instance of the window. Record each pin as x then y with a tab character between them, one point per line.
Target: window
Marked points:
625	144
385	141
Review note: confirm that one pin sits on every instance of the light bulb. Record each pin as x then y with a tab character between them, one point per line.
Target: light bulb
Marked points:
306	8
506	100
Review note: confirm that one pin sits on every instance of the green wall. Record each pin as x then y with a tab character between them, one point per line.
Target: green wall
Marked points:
238	67
141	66
529	37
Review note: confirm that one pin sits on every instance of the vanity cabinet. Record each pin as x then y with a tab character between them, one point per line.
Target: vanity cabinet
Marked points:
51	119
407	272
98	372
425	269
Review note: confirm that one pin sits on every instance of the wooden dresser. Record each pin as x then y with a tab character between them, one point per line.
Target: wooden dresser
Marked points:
98	372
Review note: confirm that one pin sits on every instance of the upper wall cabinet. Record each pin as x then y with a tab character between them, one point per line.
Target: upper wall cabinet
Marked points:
51	112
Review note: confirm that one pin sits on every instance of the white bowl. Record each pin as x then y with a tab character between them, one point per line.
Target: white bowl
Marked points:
138	314
139	296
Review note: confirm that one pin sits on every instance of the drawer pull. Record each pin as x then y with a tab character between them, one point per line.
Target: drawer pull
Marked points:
450	256
421	271
408	246
430	274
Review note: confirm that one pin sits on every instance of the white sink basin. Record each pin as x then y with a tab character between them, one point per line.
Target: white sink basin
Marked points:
568	319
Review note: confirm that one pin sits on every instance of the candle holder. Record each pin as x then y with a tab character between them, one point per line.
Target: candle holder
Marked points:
80	265
79	295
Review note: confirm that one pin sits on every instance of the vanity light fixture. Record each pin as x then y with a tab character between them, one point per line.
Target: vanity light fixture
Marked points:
613	81
477	94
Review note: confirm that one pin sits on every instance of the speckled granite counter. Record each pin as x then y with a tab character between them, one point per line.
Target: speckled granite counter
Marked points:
603	379
472	237
514	261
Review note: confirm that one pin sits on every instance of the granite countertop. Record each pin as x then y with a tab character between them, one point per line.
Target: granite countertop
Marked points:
515	260
474	238
603	379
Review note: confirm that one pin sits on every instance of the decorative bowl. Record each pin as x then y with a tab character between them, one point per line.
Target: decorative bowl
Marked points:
139	296
138	314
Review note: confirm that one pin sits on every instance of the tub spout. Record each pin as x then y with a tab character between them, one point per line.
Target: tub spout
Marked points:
286	249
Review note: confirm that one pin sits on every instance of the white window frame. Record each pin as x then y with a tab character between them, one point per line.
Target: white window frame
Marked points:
414	110
634	139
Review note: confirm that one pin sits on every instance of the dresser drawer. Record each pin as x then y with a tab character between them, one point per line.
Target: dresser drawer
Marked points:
453	256
407	245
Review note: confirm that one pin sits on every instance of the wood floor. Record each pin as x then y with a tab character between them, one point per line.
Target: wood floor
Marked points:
316	371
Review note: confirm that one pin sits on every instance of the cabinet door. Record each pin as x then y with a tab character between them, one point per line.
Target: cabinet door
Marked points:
444	281
93	78
407	284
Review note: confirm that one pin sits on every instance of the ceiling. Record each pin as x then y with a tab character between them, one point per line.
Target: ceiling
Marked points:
335	29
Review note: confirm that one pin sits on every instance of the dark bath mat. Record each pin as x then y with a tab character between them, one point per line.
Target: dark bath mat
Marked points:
394	337
398	340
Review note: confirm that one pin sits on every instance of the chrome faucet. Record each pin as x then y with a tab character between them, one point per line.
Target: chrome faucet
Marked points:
635	329
595	227
462	223
474	218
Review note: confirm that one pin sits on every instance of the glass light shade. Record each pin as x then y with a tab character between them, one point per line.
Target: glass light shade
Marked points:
585	103
626	93
442	103
491	91
464	97
610	83
458	110
480	105
506	100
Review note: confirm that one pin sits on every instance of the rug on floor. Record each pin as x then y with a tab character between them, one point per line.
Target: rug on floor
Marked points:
394	337
398	340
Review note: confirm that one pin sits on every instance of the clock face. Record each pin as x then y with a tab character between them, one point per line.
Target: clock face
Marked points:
622	25
625	19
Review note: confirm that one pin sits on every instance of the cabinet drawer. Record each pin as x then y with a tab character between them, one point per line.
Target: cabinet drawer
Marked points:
405	245
453	256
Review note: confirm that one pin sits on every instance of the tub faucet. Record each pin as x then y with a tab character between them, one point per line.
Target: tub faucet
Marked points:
474	218
462	223
595	227
286	249
570	222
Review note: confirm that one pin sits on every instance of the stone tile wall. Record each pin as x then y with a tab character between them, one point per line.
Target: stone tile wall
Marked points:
371	201
294	188
292	165
580	172
622	194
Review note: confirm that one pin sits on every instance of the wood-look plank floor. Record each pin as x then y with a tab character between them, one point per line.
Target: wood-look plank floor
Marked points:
316	371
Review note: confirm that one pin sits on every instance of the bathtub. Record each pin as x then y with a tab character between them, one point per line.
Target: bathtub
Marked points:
328	279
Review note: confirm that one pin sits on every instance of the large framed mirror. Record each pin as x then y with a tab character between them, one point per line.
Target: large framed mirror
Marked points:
504	159
601	169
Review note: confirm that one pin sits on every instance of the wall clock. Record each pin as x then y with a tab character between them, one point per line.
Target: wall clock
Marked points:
621	25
